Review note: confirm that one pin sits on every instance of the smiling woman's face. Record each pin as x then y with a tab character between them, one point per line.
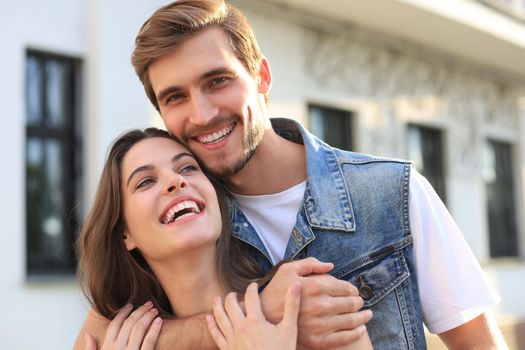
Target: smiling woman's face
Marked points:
170	207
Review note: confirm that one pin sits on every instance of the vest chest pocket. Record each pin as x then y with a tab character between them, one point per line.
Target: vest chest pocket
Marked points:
377	274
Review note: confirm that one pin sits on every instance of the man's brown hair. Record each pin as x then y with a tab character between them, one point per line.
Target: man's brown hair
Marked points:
172	24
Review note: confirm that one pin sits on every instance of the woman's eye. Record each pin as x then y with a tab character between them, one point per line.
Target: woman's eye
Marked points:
144	182
189	168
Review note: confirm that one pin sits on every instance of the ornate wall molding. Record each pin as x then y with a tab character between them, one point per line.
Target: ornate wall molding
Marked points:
467	99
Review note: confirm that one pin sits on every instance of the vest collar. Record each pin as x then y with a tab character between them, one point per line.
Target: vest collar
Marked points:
327	201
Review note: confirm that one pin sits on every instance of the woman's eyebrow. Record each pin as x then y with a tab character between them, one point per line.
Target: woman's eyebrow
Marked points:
147	167
182	154
138	170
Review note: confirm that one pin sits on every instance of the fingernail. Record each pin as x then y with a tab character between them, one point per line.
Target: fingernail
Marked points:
154	311
148	304
158	320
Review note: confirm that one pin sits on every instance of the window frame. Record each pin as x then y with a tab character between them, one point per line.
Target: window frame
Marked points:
439	185
69	138
514	246
349	124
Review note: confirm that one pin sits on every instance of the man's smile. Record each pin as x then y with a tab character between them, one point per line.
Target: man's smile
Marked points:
215	136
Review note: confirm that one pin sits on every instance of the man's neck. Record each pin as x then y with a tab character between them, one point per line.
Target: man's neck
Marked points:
276	165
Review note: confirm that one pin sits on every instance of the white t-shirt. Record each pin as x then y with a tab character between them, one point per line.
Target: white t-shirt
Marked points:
452	286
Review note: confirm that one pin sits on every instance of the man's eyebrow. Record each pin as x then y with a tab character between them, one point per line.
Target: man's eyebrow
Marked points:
215	72
167	91
206	75
150	167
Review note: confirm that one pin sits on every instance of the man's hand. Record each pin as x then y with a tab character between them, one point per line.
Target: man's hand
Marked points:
329	316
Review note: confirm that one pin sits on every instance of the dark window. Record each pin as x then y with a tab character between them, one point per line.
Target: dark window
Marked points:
334	126
425	149
500	199
53	162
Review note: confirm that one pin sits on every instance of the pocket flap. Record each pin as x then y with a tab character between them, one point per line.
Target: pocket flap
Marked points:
377	274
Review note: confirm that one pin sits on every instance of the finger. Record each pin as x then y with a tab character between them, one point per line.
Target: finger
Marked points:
129	323
89	341
328	285
153	334
336	305
310	266
341	338
349	321
253	302
292	304
216	333
140	328
222	319
233	309
116	324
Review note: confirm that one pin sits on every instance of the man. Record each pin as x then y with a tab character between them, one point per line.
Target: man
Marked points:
377	220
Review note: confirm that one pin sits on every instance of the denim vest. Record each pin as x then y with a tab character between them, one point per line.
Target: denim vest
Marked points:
355	214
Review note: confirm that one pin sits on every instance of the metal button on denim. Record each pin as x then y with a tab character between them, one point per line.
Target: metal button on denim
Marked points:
365	291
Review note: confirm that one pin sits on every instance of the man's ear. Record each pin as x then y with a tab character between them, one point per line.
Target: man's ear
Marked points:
264	77
128	241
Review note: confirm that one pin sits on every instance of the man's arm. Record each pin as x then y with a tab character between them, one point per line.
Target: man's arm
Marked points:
185	333
481	333
329	316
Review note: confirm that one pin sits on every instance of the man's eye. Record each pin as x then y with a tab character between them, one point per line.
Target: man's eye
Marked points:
145	182
219	81
173	98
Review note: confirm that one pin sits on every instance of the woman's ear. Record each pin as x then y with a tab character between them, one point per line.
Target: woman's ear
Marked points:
128	241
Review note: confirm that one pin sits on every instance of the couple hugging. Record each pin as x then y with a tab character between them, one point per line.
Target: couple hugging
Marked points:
183	243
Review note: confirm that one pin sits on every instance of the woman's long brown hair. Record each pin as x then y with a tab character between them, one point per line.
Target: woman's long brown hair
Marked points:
110	275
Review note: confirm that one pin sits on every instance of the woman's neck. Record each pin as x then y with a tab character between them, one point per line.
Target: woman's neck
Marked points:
190	282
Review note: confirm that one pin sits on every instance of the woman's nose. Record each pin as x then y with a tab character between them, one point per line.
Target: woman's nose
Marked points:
176	182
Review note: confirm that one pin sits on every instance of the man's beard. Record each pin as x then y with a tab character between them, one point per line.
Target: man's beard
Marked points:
251	141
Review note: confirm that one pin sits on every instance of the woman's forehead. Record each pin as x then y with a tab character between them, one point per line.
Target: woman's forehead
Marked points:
152	150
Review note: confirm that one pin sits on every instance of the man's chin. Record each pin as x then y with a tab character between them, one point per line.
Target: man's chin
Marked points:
223	169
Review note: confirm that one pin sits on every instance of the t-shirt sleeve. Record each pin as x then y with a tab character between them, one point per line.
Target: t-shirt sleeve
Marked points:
452	286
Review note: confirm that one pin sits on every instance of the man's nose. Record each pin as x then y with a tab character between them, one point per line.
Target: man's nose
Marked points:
202	109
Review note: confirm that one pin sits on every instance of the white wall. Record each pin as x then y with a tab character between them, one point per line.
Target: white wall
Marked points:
34	315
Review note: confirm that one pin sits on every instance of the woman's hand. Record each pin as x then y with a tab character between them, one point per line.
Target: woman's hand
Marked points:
137	330
232	329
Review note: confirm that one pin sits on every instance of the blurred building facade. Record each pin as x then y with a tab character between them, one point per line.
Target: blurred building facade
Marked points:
439	82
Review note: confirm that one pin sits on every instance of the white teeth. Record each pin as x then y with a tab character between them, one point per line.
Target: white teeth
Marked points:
216	135
187	204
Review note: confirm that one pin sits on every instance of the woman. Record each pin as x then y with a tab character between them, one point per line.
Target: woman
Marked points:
157	236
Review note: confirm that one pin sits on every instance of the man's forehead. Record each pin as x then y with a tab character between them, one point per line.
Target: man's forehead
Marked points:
206	51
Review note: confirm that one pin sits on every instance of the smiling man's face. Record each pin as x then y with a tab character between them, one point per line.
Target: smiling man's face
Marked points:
208	99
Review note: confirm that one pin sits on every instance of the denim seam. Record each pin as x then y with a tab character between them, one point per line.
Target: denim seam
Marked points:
403	308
